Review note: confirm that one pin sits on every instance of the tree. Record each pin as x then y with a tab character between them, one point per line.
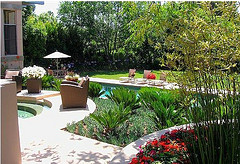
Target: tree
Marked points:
40	38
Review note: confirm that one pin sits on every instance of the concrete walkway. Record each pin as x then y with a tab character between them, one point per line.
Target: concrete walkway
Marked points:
43	141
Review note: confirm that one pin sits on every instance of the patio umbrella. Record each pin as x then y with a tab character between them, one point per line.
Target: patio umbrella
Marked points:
57	55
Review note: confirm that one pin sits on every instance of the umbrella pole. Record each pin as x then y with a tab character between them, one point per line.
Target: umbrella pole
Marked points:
57	67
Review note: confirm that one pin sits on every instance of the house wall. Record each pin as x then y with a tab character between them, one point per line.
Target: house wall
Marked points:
12	61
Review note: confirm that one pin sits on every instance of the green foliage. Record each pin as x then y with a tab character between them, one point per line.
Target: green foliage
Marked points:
71	127
112	118
135	127
126	97
3	70
202	39
47	81
56	83
165	105
100	30
95	90
216	125
166	116
41	36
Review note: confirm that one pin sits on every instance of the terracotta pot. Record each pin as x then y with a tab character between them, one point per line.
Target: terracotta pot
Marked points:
34	85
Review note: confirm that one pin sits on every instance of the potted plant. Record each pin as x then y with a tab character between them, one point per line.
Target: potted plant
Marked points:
71	76
34	78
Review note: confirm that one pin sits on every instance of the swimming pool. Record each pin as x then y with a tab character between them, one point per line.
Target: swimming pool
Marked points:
108	87
30	109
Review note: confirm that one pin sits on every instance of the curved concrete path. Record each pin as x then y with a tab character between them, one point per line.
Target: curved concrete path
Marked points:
43	141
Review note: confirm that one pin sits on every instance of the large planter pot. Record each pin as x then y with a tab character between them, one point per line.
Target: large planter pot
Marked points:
34	85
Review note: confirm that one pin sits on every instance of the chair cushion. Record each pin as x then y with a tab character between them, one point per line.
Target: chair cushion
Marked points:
9	74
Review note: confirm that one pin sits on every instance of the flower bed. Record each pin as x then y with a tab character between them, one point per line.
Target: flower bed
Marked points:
169	148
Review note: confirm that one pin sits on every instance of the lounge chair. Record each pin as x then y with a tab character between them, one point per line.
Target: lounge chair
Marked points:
130	77
132	73
15	75
73	94
163	76
145	73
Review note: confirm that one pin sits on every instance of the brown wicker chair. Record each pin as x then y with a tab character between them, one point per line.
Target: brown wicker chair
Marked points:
15	76
74	95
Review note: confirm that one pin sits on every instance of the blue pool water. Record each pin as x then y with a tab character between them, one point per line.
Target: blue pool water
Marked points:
108	87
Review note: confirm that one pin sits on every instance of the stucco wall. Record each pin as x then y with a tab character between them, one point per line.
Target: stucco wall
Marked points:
10	142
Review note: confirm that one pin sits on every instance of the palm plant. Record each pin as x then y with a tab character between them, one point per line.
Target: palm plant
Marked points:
166	116
164	104
126	97
112	118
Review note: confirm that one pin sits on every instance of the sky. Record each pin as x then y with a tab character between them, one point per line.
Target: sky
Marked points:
48	6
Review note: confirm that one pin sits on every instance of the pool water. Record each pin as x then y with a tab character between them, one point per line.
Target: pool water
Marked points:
28	110
108	87
24	114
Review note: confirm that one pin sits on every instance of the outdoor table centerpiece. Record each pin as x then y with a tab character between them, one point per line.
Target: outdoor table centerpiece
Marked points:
34	78
71	76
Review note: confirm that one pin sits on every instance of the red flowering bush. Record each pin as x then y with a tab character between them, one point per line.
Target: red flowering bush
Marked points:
169	148
151	76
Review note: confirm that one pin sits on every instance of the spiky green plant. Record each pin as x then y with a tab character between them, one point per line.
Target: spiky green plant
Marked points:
112	118
165	105
95	90
126	97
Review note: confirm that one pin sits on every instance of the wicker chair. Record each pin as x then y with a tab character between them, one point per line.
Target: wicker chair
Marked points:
15	75
73	94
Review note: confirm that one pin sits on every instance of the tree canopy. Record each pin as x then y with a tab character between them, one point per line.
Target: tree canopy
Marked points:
149	35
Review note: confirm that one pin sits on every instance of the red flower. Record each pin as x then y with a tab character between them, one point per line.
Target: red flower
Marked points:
17	57
154	142
171	144
144	158
134	161
163	137
151	76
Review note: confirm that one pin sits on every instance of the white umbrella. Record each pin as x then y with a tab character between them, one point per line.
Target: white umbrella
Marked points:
57	55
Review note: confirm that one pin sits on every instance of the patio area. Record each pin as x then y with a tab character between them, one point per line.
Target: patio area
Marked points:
43	140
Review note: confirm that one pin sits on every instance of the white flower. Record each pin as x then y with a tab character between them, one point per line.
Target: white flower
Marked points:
33	72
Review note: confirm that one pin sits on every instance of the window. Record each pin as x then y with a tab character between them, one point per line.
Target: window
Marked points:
10	36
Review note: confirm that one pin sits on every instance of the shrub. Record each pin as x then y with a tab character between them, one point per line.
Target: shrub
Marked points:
165	105
112	118
125	96
56	83
95	90
47	81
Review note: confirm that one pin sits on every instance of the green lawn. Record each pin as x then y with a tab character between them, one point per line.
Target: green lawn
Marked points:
117	74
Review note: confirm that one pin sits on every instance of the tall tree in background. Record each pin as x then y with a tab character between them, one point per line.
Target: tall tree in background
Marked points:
40	33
